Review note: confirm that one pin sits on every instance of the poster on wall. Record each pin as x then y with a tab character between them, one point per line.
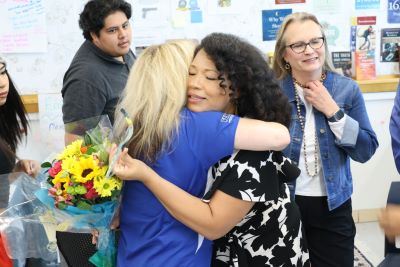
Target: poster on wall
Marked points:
393	11
51	123
23	27
390	40
365	30
280	2
272	21
328	6
368	4
224	6
342	61
150	19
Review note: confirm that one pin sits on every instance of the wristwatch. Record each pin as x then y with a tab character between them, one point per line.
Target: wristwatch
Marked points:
337	116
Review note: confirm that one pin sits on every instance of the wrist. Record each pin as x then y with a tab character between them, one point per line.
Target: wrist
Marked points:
145	173
336	116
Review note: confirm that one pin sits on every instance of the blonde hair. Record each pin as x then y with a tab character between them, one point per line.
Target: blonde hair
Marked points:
153	97
280	45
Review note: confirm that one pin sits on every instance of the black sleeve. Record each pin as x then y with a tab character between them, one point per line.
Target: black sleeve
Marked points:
253	176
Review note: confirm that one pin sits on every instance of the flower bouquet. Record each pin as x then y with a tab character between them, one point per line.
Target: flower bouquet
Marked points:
75	192
78	186
79	190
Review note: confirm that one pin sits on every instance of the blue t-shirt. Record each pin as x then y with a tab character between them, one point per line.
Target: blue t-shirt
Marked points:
150	236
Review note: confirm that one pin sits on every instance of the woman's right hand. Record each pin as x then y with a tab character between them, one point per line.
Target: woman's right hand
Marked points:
128	168
30	167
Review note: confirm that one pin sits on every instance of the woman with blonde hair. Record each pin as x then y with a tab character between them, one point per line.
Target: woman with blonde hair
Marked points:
329	127
180	145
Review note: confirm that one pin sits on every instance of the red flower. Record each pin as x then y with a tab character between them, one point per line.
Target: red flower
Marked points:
55	169
91	194
88	185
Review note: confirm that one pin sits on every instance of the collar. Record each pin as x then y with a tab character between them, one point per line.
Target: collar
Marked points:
288	85
100	53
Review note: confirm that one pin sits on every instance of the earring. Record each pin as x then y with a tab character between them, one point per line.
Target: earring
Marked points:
287	66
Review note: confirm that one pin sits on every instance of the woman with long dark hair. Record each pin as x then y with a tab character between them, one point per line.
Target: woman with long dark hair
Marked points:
13	127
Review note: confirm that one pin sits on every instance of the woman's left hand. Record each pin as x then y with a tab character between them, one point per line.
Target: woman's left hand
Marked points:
30	167
318	96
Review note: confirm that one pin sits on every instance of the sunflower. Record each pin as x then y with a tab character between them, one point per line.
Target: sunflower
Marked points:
62	177
74	149
85	169
104	187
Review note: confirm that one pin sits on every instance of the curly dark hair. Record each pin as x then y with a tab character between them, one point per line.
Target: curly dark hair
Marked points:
13	121
95	11
256	94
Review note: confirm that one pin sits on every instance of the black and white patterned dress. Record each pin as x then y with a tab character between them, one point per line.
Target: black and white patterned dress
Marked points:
271	233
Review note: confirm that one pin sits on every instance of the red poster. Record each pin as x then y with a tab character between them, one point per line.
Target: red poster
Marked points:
365	65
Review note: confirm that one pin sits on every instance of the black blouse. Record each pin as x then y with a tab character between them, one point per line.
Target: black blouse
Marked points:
271	233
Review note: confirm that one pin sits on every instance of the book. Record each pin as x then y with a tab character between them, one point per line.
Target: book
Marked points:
365	65
364	35
390	39
342	61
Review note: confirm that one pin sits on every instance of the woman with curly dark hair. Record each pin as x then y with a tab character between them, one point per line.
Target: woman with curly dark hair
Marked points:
247	208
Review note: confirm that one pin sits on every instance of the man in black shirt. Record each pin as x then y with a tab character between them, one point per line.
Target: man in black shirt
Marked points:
98	73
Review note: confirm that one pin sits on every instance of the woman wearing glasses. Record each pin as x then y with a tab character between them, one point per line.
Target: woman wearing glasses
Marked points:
329	126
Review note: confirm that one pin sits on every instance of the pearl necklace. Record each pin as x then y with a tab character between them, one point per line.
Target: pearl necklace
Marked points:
302	125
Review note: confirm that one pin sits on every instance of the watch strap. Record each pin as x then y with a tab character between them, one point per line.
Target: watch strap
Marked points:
337	116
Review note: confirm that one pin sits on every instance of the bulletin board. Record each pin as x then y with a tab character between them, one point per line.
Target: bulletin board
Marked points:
154	21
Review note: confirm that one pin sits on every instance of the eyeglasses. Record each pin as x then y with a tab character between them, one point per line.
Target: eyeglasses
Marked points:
300	47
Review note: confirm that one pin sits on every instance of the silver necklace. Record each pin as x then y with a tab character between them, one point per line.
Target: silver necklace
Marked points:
302	125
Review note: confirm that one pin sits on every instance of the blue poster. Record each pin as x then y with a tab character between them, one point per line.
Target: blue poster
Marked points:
368	4
271	21
393	11
353	35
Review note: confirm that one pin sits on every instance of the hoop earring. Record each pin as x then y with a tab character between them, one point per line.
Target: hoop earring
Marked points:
287	66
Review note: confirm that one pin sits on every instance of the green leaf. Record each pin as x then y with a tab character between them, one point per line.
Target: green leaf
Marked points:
83	205
87	140
80	189
103	156
46	165
71	190
91	150
62	205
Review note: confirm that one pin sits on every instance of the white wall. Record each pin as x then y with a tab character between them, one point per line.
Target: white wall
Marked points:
372	179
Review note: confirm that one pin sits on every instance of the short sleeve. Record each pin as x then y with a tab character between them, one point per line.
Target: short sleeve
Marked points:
254	176
211	135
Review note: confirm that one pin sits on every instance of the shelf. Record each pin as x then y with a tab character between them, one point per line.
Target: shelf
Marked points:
383	83
31	103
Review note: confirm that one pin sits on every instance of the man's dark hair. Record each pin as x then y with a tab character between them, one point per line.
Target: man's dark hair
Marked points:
95	11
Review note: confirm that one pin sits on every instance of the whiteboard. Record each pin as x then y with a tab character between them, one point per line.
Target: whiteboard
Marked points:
155	21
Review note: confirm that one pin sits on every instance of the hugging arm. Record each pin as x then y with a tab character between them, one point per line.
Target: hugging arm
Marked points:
212	220
259	135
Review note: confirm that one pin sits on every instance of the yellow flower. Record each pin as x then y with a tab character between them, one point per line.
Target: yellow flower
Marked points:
104	186
74	149
62	177
85	169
